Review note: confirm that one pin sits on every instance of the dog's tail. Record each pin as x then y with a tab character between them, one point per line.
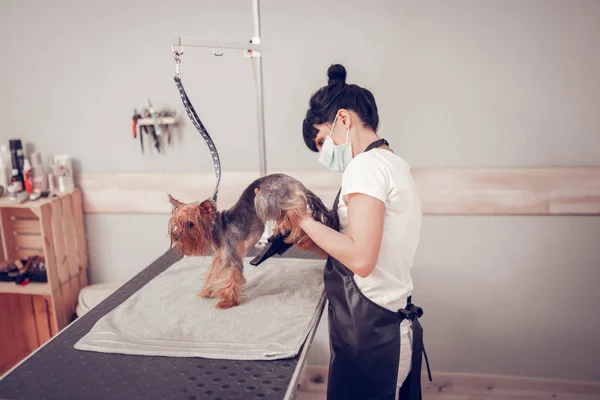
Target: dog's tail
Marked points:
287	211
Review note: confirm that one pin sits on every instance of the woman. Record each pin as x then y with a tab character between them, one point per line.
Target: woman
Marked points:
368	273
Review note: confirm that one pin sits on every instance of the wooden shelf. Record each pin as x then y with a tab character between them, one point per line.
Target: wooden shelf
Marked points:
36	288
7	202
54	228
6	365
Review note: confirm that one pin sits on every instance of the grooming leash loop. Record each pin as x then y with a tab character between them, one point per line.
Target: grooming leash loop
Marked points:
191	112
177	56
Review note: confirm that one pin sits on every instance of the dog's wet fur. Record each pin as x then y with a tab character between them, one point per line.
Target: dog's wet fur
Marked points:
200	229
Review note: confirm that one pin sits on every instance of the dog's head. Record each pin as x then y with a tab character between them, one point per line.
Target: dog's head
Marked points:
191	226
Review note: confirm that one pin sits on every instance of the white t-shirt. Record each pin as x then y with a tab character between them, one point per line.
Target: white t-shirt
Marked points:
385	176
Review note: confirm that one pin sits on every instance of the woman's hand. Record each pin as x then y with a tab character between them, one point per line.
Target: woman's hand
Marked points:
359	249
307	244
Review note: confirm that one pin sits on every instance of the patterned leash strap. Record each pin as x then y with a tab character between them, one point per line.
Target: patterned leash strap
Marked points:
191	112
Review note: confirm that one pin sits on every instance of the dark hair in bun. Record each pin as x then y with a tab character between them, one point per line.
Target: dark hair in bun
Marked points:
336	74
328	100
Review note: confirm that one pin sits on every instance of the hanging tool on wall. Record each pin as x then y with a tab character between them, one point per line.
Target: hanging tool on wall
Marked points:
154	115
134	123
134	120
165	115
155	123
151	128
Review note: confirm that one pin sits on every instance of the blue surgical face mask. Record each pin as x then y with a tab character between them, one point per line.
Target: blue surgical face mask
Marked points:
336	157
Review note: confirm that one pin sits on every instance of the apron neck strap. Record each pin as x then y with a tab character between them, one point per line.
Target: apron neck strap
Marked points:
376	144
373	145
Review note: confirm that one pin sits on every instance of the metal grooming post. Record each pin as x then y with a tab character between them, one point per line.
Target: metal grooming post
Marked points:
256	48
262	154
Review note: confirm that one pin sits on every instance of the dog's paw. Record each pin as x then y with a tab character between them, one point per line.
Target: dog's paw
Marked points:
206	293
225	304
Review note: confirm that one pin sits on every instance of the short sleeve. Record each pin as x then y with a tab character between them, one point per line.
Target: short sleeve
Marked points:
366	174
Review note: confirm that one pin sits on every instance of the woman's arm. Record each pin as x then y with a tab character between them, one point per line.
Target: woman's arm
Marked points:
359	249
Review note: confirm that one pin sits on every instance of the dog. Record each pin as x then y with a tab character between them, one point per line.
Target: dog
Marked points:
200	229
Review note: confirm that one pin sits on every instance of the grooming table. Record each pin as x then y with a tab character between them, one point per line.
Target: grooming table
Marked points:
58	371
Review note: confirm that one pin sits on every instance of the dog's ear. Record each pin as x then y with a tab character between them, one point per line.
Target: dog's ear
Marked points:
206	207
176	203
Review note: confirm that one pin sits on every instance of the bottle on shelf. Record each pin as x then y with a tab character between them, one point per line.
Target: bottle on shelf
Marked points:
28	177
15	181
3	176
17	157
39	175
5	168
63	171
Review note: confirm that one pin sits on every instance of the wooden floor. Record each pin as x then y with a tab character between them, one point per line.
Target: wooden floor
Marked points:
517	395
454	386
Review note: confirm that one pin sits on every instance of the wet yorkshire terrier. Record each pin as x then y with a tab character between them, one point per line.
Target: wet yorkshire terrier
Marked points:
200	229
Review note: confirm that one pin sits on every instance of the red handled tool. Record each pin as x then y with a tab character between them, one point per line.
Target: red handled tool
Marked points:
134	120
134	123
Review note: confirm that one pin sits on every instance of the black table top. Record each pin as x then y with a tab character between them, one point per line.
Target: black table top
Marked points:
58	371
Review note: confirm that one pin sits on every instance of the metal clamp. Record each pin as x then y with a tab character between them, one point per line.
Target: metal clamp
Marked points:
177	56
218	54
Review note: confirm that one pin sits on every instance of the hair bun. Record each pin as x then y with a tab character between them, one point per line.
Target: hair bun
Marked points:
336	73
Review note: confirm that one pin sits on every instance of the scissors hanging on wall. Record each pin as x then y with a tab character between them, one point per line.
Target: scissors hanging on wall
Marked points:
156	124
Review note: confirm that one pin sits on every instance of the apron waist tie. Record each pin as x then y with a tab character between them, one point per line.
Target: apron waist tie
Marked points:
411	389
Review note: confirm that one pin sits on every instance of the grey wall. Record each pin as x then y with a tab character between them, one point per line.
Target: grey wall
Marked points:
459	84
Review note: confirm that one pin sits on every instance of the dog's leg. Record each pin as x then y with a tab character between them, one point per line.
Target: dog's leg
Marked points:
208	291
230	286
208	288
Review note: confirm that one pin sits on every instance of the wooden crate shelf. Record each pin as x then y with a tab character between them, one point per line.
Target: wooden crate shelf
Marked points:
37	288
31	314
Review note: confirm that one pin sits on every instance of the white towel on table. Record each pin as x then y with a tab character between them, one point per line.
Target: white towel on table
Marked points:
166	317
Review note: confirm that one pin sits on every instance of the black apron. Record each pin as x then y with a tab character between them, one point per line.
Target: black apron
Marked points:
365	339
